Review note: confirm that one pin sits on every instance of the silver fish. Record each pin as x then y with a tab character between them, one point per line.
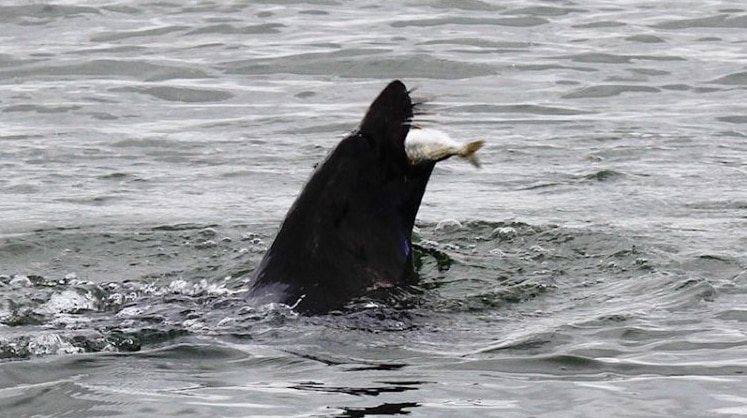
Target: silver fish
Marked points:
426	144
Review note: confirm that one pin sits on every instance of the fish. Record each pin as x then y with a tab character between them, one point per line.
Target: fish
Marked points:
428	144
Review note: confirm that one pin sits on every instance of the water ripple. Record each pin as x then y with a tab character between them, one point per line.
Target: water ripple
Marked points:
717	21
609	91
179	94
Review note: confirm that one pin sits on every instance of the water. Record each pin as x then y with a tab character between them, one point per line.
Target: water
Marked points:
594	267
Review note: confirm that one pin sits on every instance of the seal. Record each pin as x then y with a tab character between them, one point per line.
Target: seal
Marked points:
349	230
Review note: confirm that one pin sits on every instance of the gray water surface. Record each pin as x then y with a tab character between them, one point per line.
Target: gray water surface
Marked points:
594	267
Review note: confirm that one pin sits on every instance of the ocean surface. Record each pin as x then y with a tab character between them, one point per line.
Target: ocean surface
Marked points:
594	267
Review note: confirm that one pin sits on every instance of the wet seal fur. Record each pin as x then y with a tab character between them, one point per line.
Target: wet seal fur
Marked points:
349	230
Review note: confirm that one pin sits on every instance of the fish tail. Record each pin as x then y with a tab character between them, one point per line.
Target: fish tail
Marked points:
467	151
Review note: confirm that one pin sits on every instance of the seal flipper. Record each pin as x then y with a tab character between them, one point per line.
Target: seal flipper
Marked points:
349	229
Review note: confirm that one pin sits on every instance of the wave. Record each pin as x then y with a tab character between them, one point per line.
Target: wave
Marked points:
180	280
